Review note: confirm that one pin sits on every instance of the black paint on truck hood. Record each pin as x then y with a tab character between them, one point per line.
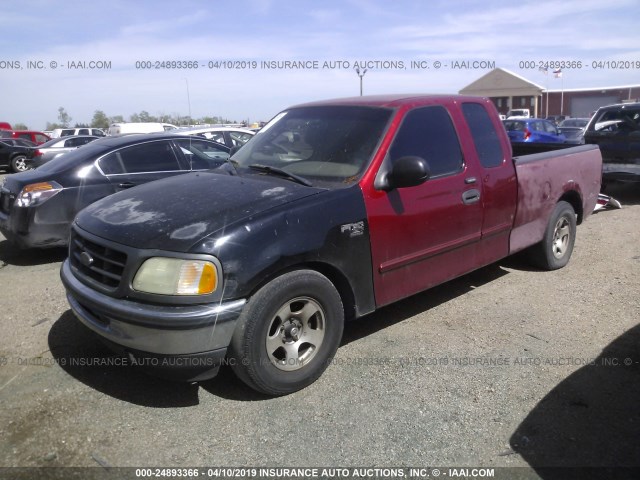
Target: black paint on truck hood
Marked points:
175	213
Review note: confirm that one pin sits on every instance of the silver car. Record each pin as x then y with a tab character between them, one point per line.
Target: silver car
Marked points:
58	146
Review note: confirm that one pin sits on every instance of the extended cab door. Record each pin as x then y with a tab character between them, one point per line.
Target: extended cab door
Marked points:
424	235
490	148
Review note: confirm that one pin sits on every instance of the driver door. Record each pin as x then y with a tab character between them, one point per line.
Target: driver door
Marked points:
424	235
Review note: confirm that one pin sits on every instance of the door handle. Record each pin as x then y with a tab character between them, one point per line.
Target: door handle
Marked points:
470	180
126	185
471	196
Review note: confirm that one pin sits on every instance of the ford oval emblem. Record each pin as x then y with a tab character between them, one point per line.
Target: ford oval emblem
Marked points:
86	259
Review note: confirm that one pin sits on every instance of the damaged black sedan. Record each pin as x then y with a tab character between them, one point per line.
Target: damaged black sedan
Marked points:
38	206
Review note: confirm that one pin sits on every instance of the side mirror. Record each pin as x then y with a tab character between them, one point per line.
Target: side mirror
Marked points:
407	172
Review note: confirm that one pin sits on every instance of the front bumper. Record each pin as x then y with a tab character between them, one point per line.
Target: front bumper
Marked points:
26	228
186	342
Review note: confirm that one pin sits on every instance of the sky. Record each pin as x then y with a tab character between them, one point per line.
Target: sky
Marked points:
241	50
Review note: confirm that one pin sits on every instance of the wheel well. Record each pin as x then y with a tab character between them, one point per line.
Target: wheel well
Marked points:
335	276
573	198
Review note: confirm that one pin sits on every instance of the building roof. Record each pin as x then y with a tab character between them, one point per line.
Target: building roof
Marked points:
500	82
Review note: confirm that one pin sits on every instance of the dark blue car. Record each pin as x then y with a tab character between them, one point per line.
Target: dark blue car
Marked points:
533	130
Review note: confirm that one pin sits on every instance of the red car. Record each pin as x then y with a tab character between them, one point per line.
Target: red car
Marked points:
31	135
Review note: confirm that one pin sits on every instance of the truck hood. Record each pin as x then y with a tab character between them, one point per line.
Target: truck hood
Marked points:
177	212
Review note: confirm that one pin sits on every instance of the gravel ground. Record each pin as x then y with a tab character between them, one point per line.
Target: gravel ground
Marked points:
507	366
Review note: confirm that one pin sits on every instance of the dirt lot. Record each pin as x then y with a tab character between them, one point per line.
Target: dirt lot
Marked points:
508	366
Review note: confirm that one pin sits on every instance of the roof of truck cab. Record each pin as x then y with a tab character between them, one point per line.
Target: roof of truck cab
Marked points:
390	100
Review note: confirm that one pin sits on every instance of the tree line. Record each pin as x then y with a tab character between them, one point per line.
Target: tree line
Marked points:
102	120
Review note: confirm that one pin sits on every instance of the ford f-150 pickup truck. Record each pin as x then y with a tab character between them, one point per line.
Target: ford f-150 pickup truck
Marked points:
333	210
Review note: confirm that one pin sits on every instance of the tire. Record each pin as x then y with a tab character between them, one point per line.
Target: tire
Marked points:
287	333
554	251
19	164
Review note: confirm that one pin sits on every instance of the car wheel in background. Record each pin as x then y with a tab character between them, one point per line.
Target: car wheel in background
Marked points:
19	164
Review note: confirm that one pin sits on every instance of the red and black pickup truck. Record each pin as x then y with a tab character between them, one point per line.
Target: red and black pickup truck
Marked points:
333	210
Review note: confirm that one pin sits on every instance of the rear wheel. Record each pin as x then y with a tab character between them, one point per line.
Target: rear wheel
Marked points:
288	333
19	163
554	251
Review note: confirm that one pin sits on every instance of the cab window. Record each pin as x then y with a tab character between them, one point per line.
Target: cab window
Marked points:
429	133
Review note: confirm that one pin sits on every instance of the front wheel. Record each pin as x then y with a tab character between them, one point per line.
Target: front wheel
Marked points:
19	164
288	333
554	251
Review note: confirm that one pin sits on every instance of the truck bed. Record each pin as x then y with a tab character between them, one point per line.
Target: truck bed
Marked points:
546	178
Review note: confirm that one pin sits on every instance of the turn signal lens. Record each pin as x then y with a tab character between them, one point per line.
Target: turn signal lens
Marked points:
38	187
37	193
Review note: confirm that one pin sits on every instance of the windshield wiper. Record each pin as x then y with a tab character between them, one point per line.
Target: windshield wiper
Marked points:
281	173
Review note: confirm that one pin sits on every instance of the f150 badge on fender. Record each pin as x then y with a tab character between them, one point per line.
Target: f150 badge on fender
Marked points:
354	229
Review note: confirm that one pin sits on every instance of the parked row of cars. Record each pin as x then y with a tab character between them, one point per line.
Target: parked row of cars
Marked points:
20	155
38	206
570	130
73	171
614	128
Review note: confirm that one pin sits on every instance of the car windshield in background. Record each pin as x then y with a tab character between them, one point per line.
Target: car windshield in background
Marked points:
575	122
330	145
618	120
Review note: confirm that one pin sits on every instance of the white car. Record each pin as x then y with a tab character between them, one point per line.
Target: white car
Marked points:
65	132
519	113
229	136
139	127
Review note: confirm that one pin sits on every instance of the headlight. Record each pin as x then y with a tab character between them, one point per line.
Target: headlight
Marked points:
174	276
37	193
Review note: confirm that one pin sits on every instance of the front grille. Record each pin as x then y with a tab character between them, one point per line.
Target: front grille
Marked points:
101	264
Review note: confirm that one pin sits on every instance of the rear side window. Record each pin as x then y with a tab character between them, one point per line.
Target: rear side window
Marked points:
514	126
428	133
484	135
147	157
76	142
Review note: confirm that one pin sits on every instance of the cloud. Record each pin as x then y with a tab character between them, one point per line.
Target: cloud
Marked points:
356	30
164	27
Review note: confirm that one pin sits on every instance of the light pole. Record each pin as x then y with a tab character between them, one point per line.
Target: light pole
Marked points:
188	99
360	75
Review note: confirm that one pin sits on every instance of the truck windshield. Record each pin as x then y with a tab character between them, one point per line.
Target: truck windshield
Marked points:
325	145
